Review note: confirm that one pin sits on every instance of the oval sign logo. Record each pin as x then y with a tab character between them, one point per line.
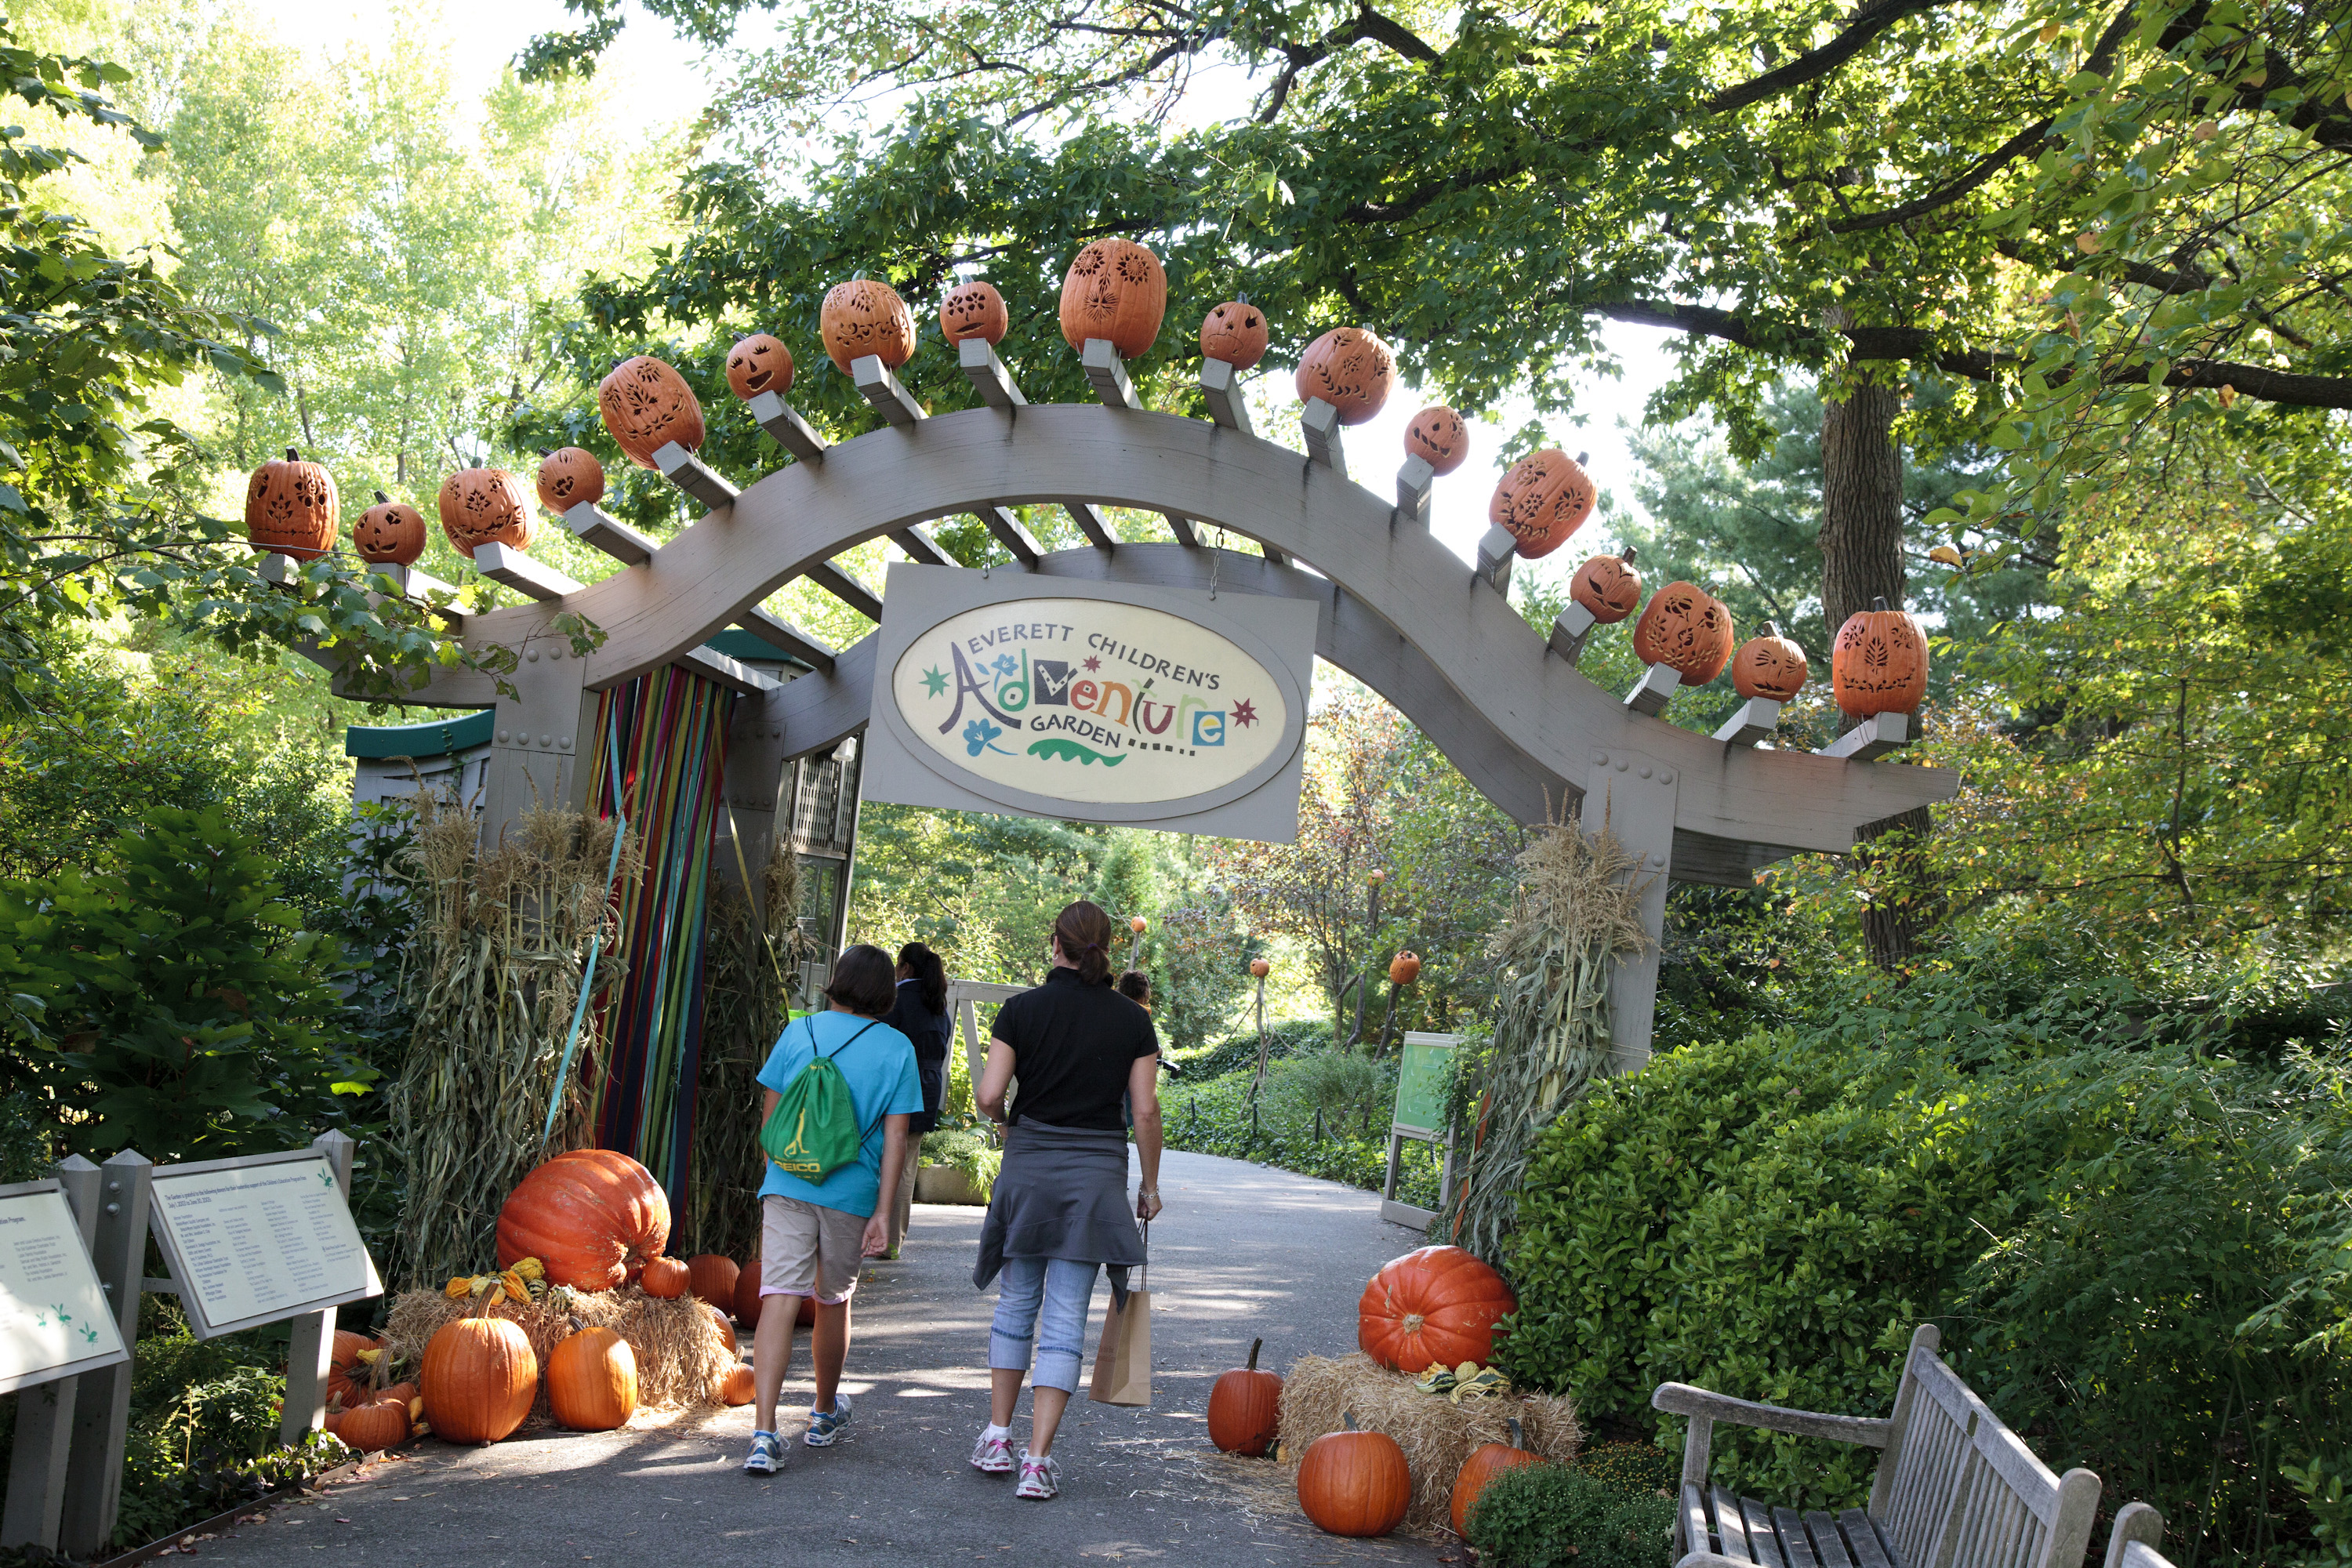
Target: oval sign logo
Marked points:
1093	701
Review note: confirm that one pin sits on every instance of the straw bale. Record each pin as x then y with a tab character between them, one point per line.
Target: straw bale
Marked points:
677	1343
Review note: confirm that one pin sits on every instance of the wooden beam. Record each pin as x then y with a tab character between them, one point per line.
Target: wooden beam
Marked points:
785	638
625	544
1090	522
1106	372
1416	484
1755	720
838	583
1654	690
503	564
1871	739
988	375
692	475
889	395
1221	384
787	429
1498	552
1320	422
727	672
1568	630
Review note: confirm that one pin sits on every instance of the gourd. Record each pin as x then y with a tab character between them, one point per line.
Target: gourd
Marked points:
1354	1482
1349	369
1438	437
1246	1407
758	363
1404	968
1687	629
569	476
665	1278
645	405
592	1380
714	1279
1545	498
862	318
1489	1460
390	533
1116	289
1608	588
1770	666
594	1217
973	310
291	508
1436	1306
484	506
478	1379
1879	663
1234	333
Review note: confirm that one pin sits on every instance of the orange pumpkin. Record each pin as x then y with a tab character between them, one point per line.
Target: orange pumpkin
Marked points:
594	1217
1234	333
862	317
374	1427
569	476
1260	968
1438	437
1608	588
591	1381
723	1325
667	1279
1545	498
347	1375
1770	666
713	1277
402	1394
973	310
291	508
736	1386
485	506
1434	1306
1489	1460
1354	1483
1349	369
479	1378
758	363
391	532
1245	1408
1879	663
646	405
1116	289
749	1303
1404	968
1688	630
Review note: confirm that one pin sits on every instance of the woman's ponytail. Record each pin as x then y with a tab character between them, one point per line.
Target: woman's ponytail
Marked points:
1082	932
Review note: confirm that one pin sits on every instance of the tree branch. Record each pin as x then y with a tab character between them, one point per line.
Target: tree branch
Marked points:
1867	22
1984	169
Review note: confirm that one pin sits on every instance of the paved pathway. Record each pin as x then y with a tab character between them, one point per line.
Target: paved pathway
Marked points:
1240	1250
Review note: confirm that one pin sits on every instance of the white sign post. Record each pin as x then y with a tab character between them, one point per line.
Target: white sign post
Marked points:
54	1325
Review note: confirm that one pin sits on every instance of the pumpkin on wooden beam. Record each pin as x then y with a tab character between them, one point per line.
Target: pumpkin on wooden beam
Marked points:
1608	588
1235	332
1354	1482
569	476
485	506
1348	368
1688	630
1438	437
1246	1407
1879	663
1545	498
1771	667
291	508
1434	1306
863	317
974	309
645	405
1114	289
595	1217
758	363
391	532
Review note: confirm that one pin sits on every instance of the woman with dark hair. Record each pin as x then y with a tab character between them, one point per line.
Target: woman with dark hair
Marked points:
1060	1211
922	1015
1136	986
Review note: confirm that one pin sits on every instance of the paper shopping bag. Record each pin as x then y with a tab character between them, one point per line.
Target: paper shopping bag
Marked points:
1123	1360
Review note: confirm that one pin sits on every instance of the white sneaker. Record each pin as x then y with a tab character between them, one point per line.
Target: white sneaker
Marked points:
1037	1477
992	1456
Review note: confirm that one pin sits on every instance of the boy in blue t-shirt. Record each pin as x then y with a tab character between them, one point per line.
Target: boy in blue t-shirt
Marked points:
814	1237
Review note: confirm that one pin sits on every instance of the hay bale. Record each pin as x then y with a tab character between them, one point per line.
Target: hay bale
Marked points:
680	1354
1436	1433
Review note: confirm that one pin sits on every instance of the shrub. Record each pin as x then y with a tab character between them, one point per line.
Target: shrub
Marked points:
1632	1467
1549	1516
1240	1049
1347	1088
1214	1118
967	1150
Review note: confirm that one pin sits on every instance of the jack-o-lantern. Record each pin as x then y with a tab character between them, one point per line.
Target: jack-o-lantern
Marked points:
1770	666
1608	588
1234	333
758	363
1688	630
1545	498
1879	663
1438	437
484	506
1349	369
862	317
646	406
569	476
1115	290
973	310
291	508
391	532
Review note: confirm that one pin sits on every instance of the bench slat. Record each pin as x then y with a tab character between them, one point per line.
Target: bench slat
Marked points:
1696	1535
1730	1528
1762	1538
2033	1482
1933	1458
1827	1542
1799	1550
1862	1536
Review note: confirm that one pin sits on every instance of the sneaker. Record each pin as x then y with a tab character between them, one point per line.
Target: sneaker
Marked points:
992	1456
824	1426
767	1455
1037	1477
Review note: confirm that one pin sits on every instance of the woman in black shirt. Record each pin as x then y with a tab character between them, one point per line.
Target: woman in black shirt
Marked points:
921	1012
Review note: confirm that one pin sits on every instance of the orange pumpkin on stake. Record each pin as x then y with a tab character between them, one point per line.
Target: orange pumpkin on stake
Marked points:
666	1279
1688	630
1349	369
568	477
1545	498
1245	1408
1434	1306
1404	968
484	506
645	405
478	1378
1354	1483
1608	588
1260	968
1438	437
1234	333
973	310
1879	663
594	1217
862	318
1115	290
592	1380
391	532
291	508
1771	667
1489	1460
758	363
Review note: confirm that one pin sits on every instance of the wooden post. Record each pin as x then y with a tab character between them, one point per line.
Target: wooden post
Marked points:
313	1346
101	1412
1634	797
36	1465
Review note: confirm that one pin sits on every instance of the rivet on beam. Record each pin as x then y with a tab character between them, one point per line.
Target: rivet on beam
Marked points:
690	474
616	539
786	429
1658	683
1871	739
1757	718
1497	550
988	375
883	391
1322	424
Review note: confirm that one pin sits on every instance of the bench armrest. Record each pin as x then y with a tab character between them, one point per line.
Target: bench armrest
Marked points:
1681	1399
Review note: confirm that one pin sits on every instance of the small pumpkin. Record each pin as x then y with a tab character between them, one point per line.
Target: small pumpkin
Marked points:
1545	498
347	1373
391	532
1608	588
1404	968
749	1303
1438	437
1138	924
723	1325
1349	369
735	1386
1770	666
592	1380
1688	630
1487	1461
291	508
402	1394
594	1217
1879	663
569	476
713	1277
1246	1407
1436	1305
863	317
1234	333
1116	289
1354	1482
667	1279
1260	968
646	405
973	310
485	506
478	1378
374	1427
758	363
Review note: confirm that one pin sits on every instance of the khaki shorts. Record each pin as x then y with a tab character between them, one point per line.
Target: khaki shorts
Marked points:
807	1250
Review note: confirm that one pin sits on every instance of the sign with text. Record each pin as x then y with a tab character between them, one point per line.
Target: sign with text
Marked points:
1421	1082
53	1321
254	1241
1046	697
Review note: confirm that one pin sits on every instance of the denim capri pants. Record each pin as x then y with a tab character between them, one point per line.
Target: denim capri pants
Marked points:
1041	1306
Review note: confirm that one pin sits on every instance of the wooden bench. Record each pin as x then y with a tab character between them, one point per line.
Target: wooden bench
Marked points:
1955	1487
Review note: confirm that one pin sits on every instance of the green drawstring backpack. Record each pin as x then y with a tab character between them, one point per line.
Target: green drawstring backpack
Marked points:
814	1131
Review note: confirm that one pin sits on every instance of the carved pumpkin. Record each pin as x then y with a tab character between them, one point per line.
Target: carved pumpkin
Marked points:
1688	630
714	1279
1489	1460
1608	586
390	532
736	1386
479	1380
1234	333
1879	663
1770	666
347	1374
591	1381
646	406
1438	437
374	1427
1245	1408
973	310
291	508
485	506
758	363
1436	1305
1116	289
666	1279
1545	498
594	1217
1404	968
862	317
569	476
1349	369
1354	1483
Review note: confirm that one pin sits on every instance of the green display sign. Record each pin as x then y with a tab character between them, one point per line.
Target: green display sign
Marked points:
1421	1082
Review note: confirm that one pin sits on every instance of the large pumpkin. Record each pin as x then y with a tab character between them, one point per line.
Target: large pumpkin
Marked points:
347	1374
484	506
391	532
1545	498
713	1278
862	317
1770	666
973	310
1608	588
479	1380
758	363
592	1217
1438	437
1234	333
1879	663
1436	1306
591	1381
374	1426
1688	630
646	406
569	476
1246	1407
1116	289
291	508
1354	1483
1349	369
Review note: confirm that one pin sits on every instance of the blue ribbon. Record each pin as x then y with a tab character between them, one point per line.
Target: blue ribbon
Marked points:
588	974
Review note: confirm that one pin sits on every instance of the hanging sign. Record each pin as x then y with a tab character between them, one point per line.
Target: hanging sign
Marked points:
254	1240
1097	703
53	1321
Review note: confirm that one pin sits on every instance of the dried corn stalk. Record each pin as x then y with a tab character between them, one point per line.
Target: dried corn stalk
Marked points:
749	972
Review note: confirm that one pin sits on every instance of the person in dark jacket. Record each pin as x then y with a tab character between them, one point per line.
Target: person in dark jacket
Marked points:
920	1014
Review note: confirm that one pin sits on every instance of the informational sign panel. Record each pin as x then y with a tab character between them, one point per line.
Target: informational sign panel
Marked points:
54	1320
1421	1082
254	1241
1095	702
